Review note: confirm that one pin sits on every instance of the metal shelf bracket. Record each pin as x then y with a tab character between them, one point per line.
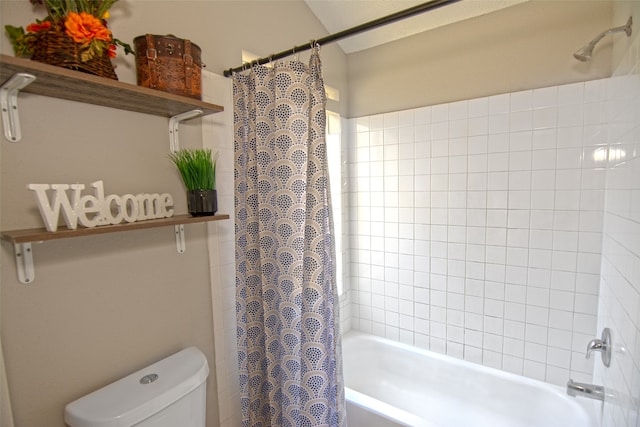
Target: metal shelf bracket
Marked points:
24	263
174	124
9	101
180	244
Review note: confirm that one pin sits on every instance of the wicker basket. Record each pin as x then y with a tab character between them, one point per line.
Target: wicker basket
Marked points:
55	47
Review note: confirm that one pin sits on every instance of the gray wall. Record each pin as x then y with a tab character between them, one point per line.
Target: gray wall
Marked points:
526	46
104	306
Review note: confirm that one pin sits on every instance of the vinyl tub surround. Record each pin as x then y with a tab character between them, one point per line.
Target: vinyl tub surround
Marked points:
477	228
391	384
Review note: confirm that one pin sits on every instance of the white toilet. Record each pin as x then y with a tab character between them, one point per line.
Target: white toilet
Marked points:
169	393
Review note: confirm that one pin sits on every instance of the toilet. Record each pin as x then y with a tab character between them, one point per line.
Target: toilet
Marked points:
168	393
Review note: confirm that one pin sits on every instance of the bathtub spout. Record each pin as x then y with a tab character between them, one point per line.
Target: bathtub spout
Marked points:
585	390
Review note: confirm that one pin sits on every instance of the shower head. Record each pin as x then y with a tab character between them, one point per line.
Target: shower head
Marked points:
584	53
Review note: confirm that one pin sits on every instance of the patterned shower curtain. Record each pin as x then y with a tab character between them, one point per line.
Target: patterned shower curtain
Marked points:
286	300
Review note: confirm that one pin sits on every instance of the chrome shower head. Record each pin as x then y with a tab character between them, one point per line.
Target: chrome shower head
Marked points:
584	53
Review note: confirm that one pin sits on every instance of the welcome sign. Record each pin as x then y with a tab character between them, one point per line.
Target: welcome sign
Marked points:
91	210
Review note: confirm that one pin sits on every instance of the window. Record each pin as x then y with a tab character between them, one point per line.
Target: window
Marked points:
334	160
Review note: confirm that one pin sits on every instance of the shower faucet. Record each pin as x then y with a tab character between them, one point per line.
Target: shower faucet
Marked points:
603	345
592	391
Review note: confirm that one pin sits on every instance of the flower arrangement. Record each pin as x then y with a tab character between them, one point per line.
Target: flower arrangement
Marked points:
83	21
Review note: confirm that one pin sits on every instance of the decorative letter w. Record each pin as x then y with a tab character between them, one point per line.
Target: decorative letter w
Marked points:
60	200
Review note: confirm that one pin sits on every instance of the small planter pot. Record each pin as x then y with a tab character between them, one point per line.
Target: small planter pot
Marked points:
202	202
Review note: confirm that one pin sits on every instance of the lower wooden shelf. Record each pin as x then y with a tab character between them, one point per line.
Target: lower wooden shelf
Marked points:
22	239
41	234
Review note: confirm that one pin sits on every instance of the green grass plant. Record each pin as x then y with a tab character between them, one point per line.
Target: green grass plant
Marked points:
197	167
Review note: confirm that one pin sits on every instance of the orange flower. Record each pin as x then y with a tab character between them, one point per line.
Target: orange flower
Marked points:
35	27
83	28
112	51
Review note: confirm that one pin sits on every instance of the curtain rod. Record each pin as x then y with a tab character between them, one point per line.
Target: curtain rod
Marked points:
415	10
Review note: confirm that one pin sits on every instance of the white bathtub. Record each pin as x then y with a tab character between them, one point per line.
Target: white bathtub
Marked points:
390	384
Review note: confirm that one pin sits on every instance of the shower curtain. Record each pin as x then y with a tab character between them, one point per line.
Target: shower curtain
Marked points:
286	301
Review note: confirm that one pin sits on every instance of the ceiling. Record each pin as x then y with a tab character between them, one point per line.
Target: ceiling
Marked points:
338	15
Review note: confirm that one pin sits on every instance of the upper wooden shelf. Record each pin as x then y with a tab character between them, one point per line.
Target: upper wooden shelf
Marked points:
73	85
41	234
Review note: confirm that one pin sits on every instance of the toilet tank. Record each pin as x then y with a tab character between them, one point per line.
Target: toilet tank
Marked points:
168	393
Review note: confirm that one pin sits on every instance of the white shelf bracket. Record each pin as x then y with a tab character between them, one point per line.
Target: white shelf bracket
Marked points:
180	244
9	101
24	263
174	124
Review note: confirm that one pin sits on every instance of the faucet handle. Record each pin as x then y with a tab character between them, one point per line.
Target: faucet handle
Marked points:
603	345
595	345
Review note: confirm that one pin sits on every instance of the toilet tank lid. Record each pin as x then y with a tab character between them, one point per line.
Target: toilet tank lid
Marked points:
138	396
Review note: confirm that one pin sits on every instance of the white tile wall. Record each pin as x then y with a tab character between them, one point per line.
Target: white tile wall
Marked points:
620	285
477	227
217	131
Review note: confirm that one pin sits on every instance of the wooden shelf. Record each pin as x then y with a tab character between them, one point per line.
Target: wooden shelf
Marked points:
41	234
58	82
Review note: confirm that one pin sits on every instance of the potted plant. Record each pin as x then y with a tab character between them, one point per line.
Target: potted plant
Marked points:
197	168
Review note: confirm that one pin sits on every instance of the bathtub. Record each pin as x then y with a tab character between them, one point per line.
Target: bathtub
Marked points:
390	384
